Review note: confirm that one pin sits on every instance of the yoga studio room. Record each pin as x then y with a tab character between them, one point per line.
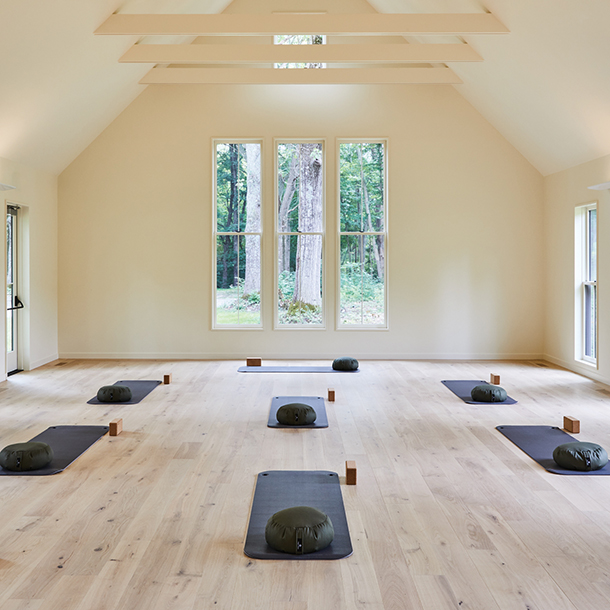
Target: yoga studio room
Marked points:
302	306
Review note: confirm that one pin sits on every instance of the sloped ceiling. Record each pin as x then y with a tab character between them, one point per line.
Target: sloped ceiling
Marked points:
545	86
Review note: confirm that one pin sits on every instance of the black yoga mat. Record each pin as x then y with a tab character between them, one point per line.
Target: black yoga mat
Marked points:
279	489
539	442
67	442
140	388
291	369
463	388
317	402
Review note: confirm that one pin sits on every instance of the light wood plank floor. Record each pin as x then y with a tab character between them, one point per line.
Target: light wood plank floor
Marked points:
447	513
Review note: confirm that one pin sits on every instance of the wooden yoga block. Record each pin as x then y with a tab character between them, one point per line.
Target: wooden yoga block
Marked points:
571	424
254	362
331	394
167	379
116	427
350	472
494	379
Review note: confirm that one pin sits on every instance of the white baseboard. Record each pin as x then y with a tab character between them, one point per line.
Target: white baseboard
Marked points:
285	356
582	369
42	361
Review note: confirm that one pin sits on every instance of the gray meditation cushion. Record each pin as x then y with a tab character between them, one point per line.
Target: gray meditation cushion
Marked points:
114	393
345	363
299	530
488	393
580	456
22	457
296	414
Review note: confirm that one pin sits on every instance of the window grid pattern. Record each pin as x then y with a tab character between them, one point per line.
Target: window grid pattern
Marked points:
238	234
300	234
362	234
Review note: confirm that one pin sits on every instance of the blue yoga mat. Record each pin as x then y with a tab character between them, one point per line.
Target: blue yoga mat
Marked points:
67	442
317	402
291	369
140	388
280	489
539	442
463	388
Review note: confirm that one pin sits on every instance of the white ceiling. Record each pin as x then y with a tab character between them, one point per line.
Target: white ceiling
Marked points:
545	86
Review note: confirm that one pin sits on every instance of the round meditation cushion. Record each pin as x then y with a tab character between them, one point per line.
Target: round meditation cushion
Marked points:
114	393
21	457
488	393
296	414
299	530
345	363
580	456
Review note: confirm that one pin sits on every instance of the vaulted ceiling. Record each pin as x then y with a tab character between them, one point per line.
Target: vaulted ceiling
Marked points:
545	86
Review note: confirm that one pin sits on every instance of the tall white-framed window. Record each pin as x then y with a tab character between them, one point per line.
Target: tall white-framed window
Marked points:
237	234
299	222
362	301
586	283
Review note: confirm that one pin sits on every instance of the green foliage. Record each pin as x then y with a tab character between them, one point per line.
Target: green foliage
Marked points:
290	312
234	307
357	285
253	298
361	162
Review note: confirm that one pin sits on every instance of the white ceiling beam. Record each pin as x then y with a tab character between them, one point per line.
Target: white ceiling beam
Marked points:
266	53
333	24
271	76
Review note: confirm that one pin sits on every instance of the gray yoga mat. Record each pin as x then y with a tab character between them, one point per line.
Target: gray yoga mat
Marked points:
279	489
291	369
539	442
67	442
317	402
140	388
463	388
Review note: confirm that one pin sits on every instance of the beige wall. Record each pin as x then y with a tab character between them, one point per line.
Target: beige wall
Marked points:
36	193
563	192
465	218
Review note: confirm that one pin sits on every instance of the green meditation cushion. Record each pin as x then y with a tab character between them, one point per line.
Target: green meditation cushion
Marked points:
580	456
21	457
296	414
488	393
299	530
345	363
114	393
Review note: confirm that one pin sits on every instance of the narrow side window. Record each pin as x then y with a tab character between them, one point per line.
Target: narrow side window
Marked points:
586	283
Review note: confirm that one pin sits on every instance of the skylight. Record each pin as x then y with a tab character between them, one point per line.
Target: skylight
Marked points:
299	39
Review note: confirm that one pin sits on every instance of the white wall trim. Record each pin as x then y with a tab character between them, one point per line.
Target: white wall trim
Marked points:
285	356
43	361
585	370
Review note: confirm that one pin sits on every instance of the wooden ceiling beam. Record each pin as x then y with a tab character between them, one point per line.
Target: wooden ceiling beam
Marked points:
266	53
270	76
329	24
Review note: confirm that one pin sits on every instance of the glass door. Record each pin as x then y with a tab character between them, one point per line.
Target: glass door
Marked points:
13	304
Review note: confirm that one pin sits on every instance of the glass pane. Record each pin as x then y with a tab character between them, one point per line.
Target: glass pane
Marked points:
238	280
9	249
299	39
238	187
9	281
361	173
592	242
300	279
362	280
300	187
590	321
